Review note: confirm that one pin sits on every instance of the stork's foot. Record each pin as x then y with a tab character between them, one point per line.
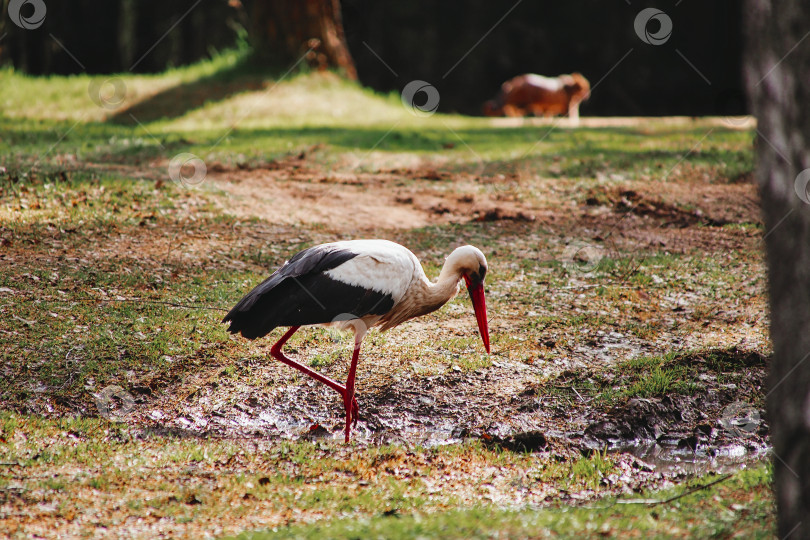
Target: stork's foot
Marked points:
347	391
352	414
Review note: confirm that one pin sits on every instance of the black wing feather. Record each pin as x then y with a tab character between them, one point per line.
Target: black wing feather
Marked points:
299	293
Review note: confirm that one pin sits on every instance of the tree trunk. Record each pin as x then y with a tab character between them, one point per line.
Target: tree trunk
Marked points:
777	67
3	33
282	31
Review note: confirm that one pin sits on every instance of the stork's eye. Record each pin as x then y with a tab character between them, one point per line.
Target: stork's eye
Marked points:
474	278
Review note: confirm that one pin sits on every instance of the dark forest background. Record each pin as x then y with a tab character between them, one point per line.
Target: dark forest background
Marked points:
427	40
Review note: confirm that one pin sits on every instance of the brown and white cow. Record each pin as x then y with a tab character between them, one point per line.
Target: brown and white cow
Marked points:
540	96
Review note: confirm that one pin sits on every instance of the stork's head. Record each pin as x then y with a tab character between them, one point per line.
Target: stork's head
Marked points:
469	263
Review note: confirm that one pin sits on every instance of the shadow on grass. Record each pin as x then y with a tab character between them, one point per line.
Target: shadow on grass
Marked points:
243	76
489	150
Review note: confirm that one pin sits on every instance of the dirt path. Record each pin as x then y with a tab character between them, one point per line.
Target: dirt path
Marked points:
400	199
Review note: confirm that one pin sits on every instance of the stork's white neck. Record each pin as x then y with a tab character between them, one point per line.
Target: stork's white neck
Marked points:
425	296
447	284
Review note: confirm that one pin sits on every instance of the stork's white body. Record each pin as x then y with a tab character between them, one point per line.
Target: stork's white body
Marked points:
355	285
381	266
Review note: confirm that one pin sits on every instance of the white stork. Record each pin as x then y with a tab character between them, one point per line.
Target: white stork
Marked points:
355	285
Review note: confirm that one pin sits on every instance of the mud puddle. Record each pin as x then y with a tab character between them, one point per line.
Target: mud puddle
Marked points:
669	458
659	433
503	406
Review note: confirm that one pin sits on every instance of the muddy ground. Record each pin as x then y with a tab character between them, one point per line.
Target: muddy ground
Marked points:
502	405
536	405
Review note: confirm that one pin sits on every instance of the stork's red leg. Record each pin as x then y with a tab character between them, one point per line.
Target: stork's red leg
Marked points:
349	402
275	350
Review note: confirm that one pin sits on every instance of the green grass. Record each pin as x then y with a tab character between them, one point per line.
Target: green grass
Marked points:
225	110
384	488
347	146
659	382
741	503
310	478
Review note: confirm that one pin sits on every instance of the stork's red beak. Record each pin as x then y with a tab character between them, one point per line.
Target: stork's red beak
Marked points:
479	303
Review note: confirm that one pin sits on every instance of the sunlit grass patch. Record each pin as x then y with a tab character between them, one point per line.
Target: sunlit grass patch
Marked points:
226	111
69	97
94	461
740	503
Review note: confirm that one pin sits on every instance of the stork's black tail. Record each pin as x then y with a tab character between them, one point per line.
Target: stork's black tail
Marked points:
289	296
